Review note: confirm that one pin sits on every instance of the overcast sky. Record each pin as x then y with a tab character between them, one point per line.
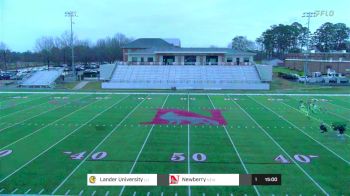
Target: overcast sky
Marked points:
197	23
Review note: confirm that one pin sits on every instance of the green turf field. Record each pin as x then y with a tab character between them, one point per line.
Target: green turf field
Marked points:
50	142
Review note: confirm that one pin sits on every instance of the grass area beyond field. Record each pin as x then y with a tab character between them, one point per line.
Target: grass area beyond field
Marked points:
50	142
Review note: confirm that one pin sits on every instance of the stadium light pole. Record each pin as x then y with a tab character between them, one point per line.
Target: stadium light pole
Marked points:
307	15
72	14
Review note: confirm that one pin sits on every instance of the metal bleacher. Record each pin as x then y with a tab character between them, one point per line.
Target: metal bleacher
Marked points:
42	79
185	77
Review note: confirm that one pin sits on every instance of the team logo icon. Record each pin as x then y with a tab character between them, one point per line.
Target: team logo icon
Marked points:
174	179
92	179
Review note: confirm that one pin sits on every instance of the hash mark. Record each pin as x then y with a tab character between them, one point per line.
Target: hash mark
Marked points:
14	191
93	193
107	193
134	194
67	192
27	191
81	192
42	190
2	190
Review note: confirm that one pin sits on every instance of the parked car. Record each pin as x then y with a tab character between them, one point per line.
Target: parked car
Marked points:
302	79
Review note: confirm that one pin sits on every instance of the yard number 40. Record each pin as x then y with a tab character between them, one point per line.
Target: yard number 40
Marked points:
298	157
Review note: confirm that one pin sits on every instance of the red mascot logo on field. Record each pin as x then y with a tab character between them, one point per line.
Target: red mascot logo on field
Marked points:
183	117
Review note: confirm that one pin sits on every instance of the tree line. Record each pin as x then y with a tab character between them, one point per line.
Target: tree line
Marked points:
54	51
281	39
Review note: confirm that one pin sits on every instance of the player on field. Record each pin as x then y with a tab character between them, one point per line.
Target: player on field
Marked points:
341	128
303	108
323	128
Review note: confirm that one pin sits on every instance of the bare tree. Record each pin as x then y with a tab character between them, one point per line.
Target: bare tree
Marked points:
64	44
44	45
4	50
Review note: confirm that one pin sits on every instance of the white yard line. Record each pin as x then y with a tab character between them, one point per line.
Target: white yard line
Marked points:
337	106
166	93
32	133
96	147
143	145
337	115
22	110
188	145
235	149
316	118
284	151
28	100
34	106
38	114
65	137
281	117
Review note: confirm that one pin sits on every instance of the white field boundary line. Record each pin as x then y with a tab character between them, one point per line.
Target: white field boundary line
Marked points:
235	149
281	148
143	145
96	147
172	93
24	108
281	117
53	109
188	145
25	101
32	133
65	137
319	120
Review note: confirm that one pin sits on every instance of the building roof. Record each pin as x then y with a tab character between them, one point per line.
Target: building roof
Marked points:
149	43
173	41
177	50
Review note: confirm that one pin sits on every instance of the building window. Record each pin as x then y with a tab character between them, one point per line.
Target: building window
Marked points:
150	59
190	60
246	59
229	59
141	59
134	59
